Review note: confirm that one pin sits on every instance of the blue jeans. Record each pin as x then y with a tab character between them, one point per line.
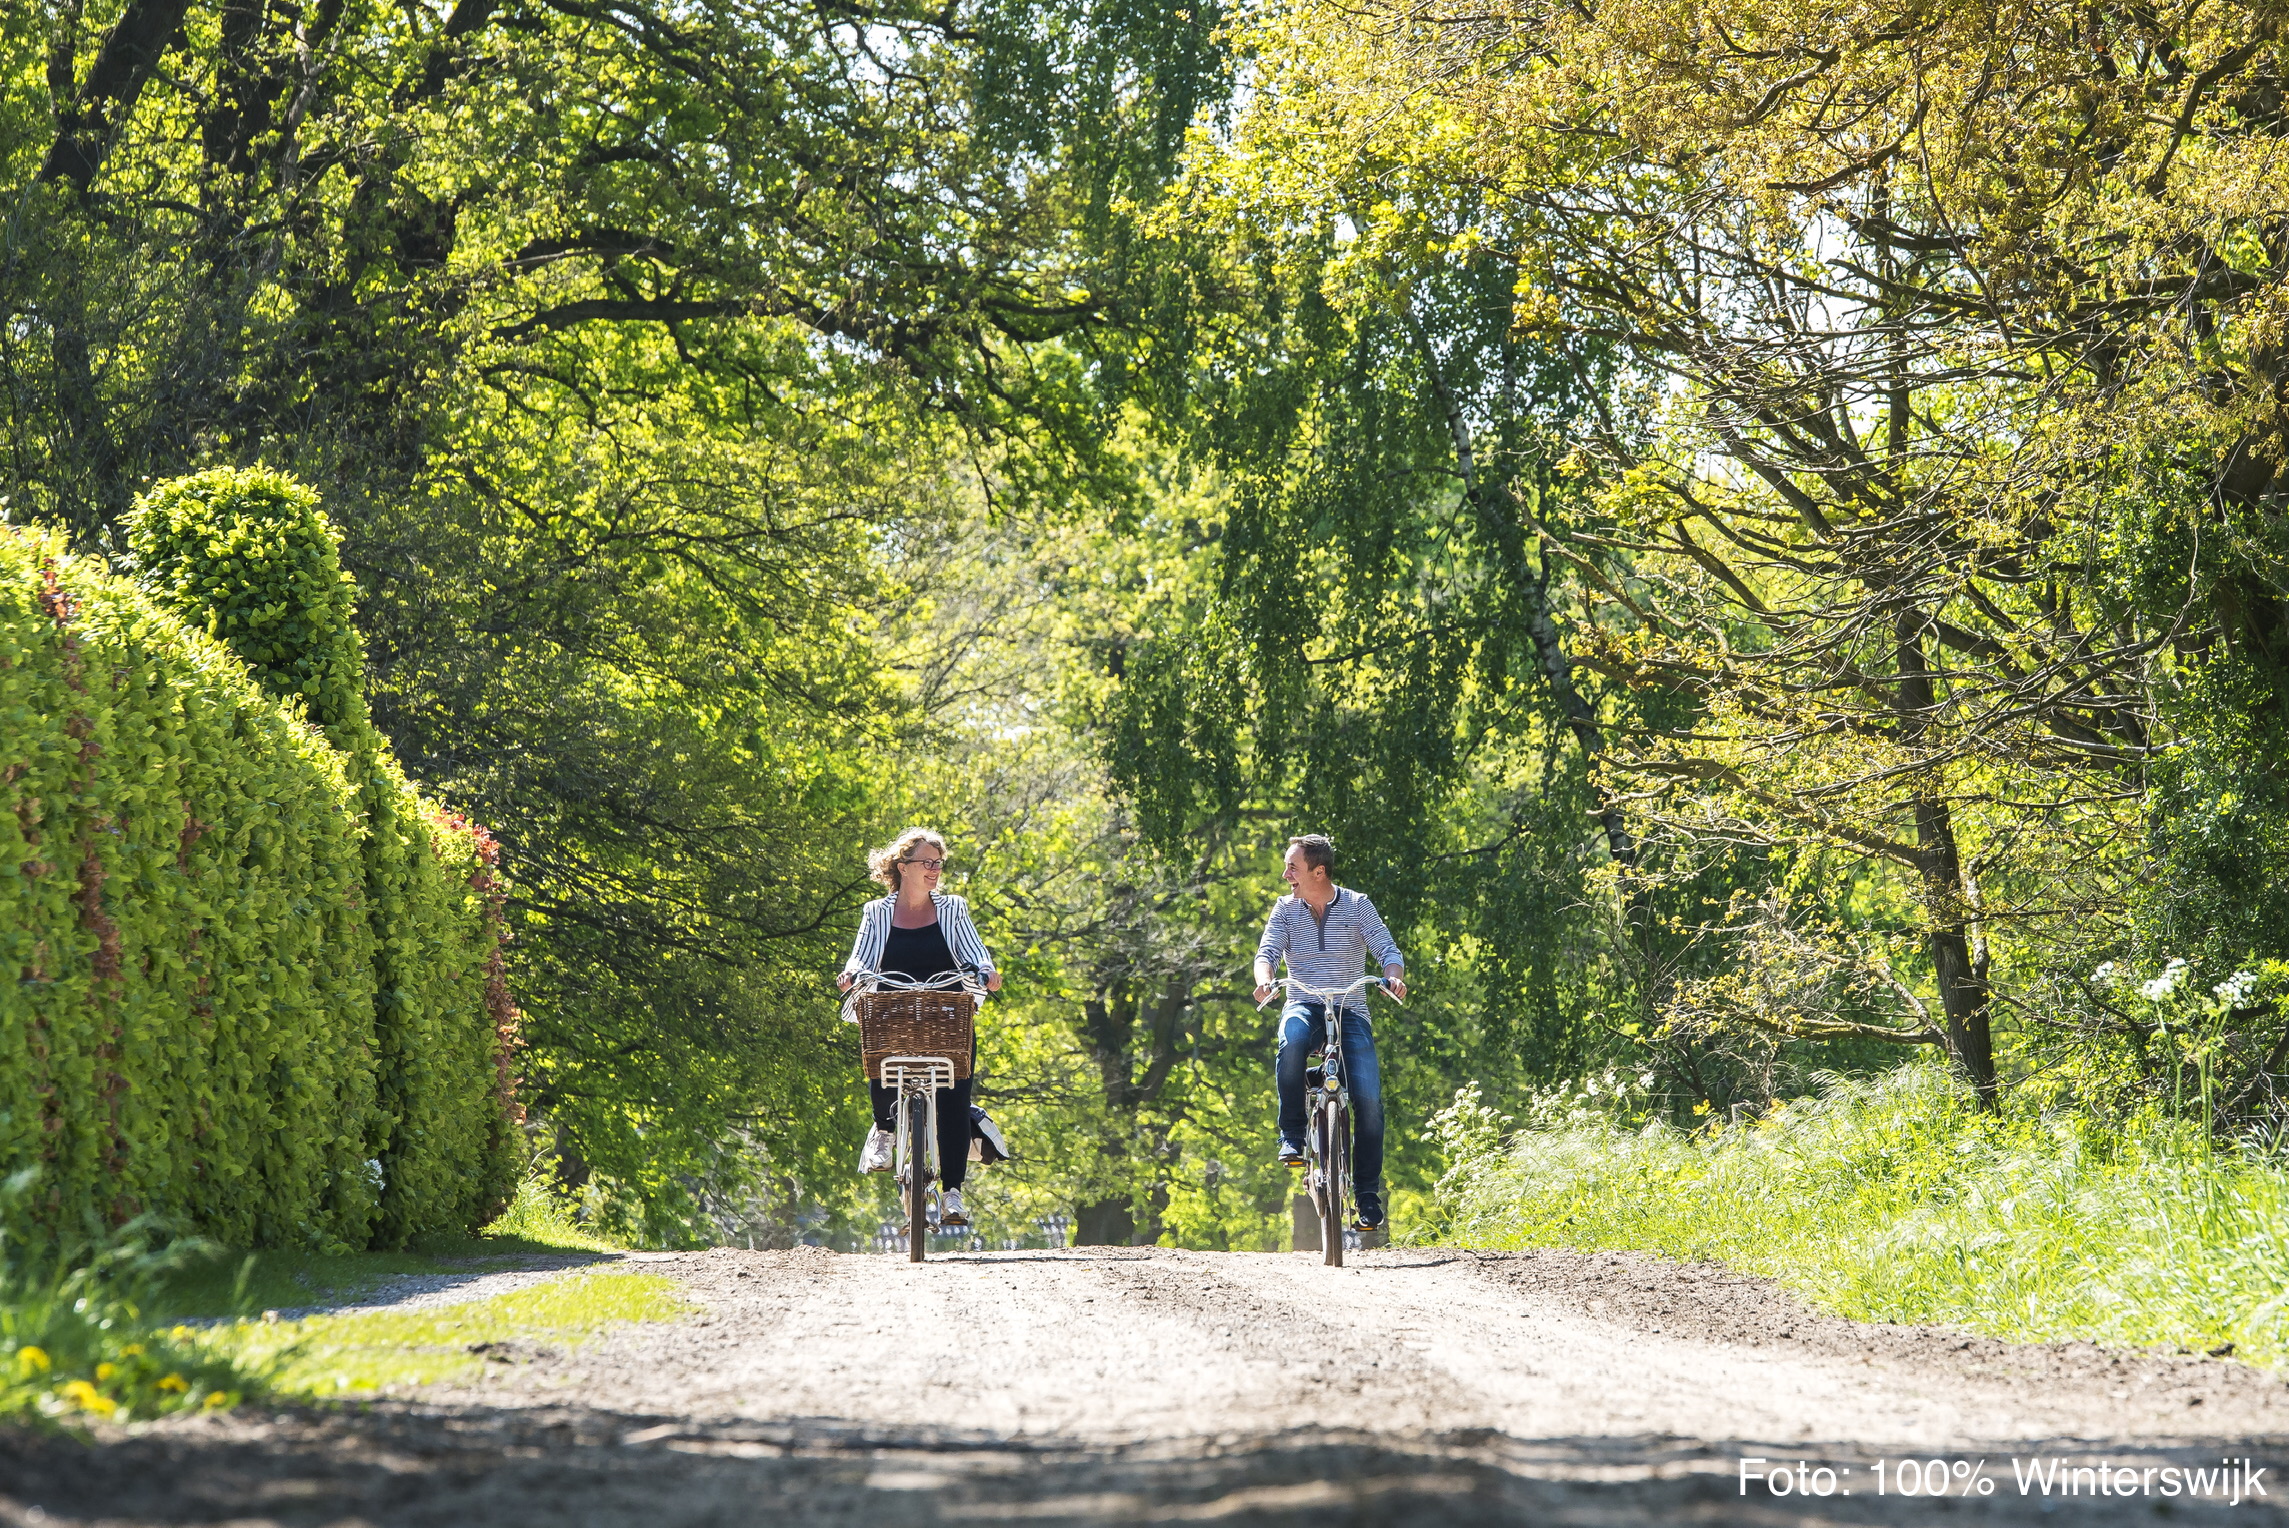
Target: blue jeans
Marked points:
1302	1026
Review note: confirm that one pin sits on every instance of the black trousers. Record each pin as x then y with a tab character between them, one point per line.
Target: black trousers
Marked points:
953	1124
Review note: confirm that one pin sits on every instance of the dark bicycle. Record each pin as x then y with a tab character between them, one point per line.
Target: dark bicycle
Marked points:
915	1038
1327	1117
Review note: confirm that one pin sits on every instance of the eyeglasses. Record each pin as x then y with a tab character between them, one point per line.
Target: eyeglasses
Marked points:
923	864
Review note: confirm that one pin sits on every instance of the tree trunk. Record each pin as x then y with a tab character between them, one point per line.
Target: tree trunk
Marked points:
102	496
1107	1223
98	106
1115	1018
572	1171
89	114
1963	991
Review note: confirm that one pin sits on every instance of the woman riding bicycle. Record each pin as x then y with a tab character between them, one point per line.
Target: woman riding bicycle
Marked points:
925	937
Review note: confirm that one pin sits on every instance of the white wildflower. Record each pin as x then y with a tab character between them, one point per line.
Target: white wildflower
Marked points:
2235	989
2162	986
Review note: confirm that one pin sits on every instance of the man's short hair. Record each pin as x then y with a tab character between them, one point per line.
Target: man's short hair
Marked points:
1318	850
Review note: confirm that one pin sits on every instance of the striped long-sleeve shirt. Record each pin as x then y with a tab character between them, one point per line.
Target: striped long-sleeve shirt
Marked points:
953	920
1327	952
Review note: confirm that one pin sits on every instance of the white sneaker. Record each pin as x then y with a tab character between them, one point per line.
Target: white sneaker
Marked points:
876	1157
950	1211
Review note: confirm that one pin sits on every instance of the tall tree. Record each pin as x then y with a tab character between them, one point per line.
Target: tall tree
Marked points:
1385	649
628	343
1962	502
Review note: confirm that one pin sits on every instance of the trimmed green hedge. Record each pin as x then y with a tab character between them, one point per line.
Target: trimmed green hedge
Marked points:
247	555
189	1029
261	980
442	1024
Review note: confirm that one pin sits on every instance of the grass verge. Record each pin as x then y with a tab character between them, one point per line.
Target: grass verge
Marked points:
335	1355
97	1333
1896	1200
74	1342
227	1283
74	1337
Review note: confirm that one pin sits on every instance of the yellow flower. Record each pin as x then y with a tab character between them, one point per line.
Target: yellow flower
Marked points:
104	1372
87	1398
216	1398
132	1350
31	1361
174	1384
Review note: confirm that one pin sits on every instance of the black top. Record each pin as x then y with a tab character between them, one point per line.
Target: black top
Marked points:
918	954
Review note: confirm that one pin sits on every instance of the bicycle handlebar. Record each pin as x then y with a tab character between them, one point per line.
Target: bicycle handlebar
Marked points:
862	982
879	981
1334	998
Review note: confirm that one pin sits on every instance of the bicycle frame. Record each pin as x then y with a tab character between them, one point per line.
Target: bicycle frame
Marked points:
916	1079
1327	1112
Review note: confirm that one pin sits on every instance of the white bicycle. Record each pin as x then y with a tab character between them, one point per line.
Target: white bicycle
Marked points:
915	1038
1327	1115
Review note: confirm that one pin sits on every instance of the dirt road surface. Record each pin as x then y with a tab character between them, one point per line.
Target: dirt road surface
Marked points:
1120	1386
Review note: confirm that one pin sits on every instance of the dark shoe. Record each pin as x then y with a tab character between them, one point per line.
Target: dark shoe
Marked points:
1370	1220
1291	1155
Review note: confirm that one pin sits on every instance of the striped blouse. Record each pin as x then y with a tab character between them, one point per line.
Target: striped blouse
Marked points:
1327	953
953	920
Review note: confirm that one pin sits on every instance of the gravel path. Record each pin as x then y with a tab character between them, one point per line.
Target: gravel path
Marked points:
1147	1386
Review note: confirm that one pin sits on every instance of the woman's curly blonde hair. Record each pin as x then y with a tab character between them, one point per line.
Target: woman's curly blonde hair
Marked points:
883	863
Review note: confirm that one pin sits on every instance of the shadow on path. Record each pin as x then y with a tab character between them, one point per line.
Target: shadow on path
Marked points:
394	1465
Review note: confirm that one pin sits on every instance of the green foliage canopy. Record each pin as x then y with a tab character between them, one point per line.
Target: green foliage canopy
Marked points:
1952	519
627	346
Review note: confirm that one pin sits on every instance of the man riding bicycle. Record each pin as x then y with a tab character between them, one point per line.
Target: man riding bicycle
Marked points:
1324	932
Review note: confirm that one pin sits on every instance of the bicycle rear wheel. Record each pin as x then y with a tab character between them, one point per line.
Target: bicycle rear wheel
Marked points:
1333	1140
917	1179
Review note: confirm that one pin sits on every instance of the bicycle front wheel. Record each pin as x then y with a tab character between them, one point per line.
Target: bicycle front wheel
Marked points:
917	1180
1334	1138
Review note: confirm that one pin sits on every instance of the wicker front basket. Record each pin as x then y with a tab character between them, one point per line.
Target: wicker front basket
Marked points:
914	1024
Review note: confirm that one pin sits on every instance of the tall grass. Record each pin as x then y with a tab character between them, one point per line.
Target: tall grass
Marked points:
76	1337
537	1214
1895	1200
